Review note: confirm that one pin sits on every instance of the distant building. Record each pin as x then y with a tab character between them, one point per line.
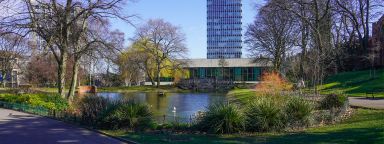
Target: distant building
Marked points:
224	37
242	70
9	70
237	70
377	41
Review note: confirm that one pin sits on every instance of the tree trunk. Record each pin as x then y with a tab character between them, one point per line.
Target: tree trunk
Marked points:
303	51
304	35
366	34
4	81
150	77
62	67
158	75
75	72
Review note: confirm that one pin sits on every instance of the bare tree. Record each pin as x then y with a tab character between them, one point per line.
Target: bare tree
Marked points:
360	13
12	49
93	38
271	35
317	16
61	24
371	57
42	70
163	41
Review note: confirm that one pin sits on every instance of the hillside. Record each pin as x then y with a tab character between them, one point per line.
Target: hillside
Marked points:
356	83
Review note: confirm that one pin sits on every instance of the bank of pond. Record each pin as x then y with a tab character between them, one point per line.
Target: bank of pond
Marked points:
188	112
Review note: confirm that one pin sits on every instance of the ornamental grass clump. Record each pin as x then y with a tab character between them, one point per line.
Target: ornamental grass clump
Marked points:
127	115
265	114
298	112
222	119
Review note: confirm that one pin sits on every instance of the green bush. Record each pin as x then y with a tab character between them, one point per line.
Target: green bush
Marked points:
298	111
175	126
127	115
48	101
222	118
332	101
265	114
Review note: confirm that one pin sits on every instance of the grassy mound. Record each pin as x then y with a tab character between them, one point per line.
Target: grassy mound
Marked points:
356	83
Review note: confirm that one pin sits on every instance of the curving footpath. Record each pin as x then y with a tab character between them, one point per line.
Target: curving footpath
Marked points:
366	102
22	128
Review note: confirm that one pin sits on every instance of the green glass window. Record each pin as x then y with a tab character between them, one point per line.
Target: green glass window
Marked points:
257	73
202	72
238	74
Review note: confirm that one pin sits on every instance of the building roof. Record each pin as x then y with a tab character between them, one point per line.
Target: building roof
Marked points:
241	62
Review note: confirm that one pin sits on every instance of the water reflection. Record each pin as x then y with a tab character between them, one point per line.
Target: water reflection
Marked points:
186	103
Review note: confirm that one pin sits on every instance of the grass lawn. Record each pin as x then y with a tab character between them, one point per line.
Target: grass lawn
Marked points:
48	90
355	83
241	95
365	126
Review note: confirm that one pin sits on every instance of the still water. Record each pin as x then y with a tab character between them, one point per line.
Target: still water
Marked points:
186	104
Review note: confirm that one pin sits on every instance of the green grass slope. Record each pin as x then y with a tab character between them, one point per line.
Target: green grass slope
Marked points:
356	83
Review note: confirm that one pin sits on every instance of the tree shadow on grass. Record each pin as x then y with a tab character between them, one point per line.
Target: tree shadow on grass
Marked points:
352	135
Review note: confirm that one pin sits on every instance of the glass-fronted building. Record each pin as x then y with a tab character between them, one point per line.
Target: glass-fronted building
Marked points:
240	74
224	37
238	70
242	70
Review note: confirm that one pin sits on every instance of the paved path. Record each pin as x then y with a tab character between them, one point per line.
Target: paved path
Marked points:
22	128
366	102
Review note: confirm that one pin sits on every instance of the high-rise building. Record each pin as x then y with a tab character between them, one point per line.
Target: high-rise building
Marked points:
224	37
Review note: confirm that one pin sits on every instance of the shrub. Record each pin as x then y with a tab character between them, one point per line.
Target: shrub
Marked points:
127	115
334	107
90	108
272	83
222	118
265	114
48	101
298	111
175	126
332	101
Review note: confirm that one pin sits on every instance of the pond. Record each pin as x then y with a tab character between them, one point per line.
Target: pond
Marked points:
186	104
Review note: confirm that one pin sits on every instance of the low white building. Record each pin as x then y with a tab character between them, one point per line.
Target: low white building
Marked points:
10	77
242	70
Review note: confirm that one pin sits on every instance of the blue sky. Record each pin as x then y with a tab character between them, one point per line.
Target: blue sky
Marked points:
189	15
